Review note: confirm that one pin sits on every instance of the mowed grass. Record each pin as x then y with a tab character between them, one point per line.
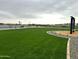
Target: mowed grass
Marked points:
31	43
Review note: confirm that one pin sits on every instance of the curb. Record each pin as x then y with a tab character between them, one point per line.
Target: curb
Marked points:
68	49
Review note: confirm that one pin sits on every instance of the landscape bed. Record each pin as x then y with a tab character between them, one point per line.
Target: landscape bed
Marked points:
31	43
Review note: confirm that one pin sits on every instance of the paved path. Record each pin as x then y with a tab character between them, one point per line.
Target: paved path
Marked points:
10	28
73	48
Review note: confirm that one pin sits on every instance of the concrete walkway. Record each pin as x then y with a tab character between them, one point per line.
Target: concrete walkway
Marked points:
10	28
72	46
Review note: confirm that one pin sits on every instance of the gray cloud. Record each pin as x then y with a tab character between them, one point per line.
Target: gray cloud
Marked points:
30	8
6	14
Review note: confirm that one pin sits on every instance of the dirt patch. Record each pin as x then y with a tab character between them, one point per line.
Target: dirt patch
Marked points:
67	33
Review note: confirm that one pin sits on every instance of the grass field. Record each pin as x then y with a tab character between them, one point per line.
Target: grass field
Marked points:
32	43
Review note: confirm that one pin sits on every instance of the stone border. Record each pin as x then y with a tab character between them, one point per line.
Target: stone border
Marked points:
55	34
68	49
68	43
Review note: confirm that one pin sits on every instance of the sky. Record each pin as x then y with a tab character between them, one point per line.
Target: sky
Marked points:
38	11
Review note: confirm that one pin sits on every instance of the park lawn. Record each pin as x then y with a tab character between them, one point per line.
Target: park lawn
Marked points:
31	43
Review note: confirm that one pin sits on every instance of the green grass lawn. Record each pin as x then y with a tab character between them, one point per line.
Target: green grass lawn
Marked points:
32	43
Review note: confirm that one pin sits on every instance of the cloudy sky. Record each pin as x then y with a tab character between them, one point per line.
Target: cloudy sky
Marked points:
38	11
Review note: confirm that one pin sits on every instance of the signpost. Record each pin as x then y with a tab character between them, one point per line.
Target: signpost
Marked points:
72	25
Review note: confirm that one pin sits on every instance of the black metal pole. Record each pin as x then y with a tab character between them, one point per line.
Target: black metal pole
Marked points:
72	24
